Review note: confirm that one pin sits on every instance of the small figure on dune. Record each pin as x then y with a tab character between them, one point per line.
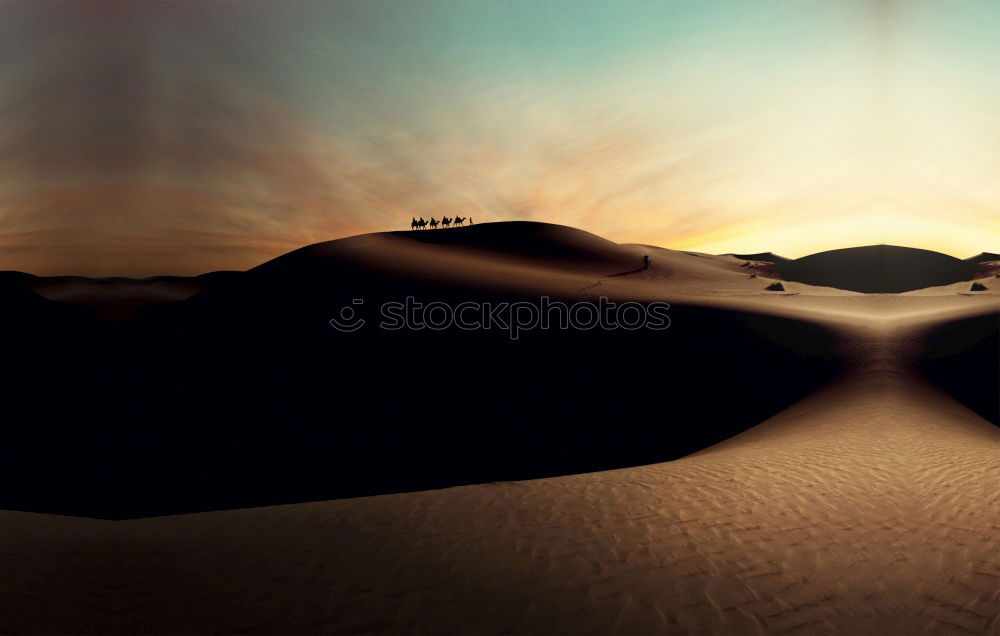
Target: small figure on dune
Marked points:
470	220
645	261
459	220
434	223
445	221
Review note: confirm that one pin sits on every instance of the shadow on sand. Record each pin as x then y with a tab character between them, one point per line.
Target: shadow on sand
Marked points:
961	357
245	396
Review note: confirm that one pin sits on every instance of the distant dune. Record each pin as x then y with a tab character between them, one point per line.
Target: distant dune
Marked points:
878	269
982	257
763	256
812	460
122	298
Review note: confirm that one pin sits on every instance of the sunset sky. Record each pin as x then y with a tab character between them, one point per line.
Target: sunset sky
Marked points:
168	137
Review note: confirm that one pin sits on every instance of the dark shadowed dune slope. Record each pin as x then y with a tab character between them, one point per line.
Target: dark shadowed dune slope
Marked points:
961	357
527	239
768	257
244	395
878	269
983	257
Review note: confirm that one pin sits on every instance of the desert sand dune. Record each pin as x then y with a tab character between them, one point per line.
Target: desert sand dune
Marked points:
122	298
878	269
869	506
115	299
768	257
983	257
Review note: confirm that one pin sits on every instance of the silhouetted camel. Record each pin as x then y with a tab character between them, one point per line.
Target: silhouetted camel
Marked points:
459	220
434	223
413	223
419	225
445	221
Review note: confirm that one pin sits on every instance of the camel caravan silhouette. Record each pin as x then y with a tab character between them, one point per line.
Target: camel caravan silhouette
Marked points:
420	224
